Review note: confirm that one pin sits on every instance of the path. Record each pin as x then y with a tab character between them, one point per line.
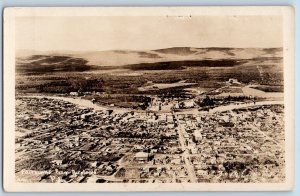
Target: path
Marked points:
185	154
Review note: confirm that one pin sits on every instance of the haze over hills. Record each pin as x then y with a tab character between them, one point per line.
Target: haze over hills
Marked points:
128	57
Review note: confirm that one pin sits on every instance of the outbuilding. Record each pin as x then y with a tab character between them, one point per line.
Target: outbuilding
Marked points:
141	156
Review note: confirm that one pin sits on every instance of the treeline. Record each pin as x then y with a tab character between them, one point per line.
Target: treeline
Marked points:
169	65
67	86
210	101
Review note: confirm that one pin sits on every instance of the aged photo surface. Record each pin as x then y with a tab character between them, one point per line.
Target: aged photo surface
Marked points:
149	99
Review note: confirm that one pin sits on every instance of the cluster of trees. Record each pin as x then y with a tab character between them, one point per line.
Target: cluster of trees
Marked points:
177	65
67	86
133	101
210	101
235	165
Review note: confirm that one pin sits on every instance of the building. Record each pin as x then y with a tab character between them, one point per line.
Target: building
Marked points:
189	104
57	162
233	81
197	135
74	93
141	156
186	136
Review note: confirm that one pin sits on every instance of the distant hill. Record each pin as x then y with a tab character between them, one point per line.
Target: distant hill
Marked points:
53	63
28	60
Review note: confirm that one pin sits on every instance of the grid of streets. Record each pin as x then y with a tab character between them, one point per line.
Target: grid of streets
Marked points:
64	139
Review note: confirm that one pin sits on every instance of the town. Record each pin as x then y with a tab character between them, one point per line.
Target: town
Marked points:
71	139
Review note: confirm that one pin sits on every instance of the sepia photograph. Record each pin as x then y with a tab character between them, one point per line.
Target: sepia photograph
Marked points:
148	99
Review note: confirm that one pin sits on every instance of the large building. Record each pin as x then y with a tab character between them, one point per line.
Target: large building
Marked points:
141	156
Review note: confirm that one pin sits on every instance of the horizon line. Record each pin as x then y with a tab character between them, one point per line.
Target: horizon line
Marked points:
150	49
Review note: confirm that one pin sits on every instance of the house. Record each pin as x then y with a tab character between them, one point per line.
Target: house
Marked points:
201	172
86	116
109	112
186	136
176	161
189	104
180	116
233	81
197	135
169	118
141	156
94	163
193	150
74	93
57	162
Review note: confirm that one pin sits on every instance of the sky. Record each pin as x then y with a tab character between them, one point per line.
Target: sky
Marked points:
79	33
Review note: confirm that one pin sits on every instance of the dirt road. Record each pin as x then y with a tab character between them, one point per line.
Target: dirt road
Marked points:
185	154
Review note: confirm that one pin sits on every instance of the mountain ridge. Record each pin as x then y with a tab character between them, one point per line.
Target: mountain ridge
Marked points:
132	57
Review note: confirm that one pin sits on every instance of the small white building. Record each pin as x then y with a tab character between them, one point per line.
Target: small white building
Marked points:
74	93
186	136
57	162
233	81
197	135
141	156
189	104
